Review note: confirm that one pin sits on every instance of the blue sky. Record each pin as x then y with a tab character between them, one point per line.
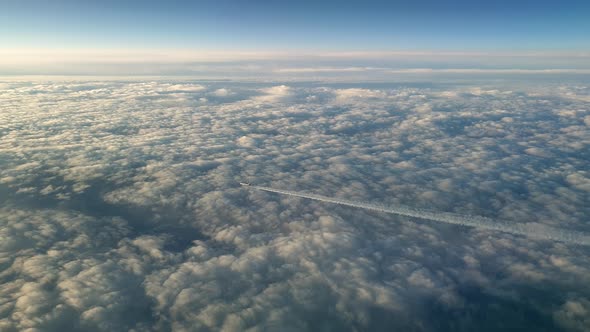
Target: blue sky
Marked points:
271	25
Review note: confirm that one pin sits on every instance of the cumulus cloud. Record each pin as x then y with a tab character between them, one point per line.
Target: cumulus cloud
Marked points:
121	208
357	94
574	314
222	92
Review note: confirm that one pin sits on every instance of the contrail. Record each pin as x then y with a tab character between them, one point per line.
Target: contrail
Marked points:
530	230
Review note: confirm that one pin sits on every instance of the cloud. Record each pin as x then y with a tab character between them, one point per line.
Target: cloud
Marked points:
121	208
426	71
355	94
279	90
579	180
574	314
487	71
273	94
222	92
325	69
272	65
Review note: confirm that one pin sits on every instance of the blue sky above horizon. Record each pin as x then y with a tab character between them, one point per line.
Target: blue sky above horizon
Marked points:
291	39
326	25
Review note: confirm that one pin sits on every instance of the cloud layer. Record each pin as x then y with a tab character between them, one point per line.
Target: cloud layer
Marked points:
121	208
290	65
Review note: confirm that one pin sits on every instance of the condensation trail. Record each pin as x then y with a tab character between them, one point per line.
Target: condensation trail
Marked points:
531	230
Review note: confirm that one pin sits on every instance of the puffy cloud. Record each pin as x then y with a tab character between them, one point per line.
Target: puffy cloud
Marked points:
247	141
579	180
273	94
121	208
355	94
222	92
574	314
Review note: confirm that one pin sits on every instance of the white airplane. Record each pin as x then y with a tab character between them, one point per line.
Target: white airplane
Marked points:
244	184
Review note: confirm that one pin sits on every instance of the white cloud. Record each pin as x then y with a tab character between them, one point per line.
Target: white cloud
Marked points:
356	94
579	180
326	69
246	141
223	92
273	94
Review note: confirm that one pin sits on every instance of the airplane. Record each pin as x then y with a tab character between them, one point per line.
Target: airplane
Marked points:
247	184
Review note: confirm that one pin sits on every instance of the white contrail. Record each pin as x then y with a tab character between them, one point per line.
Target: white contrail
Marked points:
531	230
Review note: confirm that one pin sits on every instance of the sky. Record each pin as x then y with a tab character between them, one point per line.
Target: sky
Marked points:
168	37
230	24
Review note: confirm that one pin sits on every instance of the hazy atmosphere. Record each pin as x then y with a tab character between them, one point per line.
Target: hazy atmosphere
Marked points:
122	150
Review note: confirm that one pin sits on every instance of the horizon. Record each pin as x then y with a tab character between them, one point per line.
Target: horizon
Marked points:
67	37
